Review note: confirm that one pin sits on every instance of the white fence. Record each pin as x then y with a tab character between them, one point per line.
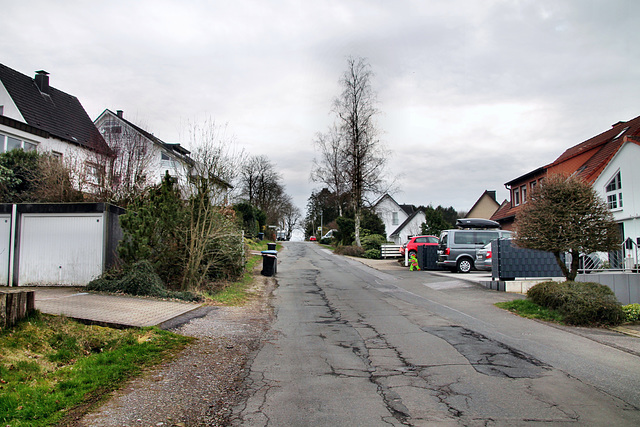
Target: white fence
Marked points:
390	251
623	259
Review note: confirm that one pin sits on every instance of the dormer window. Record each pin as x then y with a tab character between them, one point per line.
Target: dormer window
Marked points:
613	192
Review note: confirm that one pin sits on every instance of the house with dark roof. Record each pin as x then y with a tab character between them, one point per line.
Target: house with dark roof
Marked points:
36	116
400	221
608	161
141	158
135	146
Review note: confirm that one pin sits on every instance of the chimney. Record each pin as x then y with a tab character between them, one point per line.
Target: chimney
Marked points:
42	81
119	113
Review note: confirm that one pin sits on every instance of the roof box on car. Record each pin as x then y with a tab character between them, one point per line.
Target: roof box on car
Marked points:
476	223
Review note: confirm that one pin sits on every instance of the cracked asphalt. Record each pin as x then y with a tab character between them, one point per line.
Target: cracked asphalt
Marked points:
353	346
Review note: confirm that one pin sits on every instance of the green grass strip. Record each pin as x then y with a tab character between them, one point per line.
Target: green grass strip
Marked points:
530	310
50	365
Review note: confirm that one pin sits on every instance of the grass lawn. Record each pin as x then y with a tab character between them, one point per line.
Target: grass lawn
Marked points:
531	310
50	365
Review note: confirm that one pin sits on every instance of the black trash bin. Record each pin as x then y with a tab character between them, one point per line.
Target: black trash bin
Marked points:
269	263
260	236
271	246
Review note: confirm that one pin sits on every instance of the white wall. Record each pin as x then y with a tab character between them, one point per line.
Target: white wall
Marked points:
627	161
413	228
9	107
385	209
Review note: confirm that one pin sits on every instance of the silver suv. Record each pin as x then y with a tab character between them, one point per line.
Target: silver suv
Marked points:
457	248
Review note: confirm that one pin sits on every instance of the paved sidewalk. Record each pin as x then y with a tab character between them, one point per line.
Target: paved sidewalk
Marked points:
108	310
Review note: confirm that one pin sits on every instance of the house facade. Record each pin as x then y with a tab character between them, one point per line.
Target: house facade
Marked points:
619	185
485	206
36	116
400	221
607	161
141	156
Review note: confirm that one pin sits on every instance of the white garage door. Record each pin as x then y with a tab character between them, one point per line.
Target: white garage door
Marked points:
5	240
60	249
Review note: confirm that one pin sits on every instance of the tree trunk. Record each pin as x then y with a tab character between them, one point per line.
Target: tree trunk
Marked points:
357	230
562	265
575	262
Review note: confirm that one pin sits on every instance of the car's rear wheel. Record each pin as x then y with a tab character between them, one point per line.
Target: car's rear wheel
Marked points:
465	265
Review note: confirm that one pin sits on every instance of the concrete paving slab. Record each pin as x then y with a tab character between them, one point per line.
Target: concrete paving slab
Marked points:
108	310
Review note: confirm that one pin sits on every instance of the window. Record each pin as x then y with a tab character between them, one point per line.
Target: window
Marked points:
13	143
8	143
111	127
1	110
516	197
93	173
533	185
394	218
523	193
613	192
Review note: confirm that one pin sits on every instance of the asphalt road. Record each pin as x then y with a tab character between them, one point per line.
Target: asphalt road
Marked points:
353	346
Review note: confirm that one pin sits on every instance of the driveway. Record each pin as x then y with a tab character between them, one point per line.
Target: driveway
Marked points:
108	310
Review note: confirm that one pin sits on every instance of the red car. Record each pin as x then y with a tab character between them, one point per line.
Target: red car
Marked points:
415	241
312	238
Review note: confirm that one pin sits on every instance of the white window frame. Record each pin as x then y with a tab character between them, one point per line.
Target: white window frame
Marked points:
24	145
395	220
516	197
613	191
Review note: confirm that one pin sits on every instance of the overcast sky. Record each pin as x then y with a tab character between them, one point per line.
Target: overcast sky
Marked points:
472	93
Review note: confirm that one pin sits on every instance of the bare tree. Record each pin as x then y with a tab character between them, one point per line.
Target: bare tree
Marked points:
330	167
363	154
216	160
125	173
261	186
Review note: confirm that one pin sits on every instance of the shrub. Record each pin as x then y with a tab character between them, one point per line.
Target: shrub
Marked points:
350	251
549	294
373	241
579	303
140	280
632	312
372	253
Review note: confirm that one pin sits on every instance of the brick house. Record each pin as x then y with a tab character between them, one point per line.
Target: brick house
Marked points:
608	161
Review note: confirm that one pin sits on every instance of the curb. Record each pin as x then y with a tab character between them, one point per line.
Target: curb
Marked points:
626	331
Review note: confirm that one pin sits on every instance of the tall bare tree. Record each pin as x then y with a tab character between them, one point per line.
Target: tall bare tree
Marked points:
362	152
330	167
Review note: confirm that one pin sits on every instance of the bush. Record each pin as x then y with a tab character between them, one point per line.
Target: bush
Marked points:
372	253
632	313
350	251
579	303
140	280
373	241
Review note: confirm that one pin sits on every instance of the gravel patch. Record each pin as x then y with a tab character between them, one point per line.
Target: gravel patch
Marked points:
201	385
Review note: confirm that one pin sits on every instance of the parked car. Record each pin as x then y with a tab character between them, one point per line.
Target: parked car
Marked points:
329	234
484	258
457	249
312	238
415	241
